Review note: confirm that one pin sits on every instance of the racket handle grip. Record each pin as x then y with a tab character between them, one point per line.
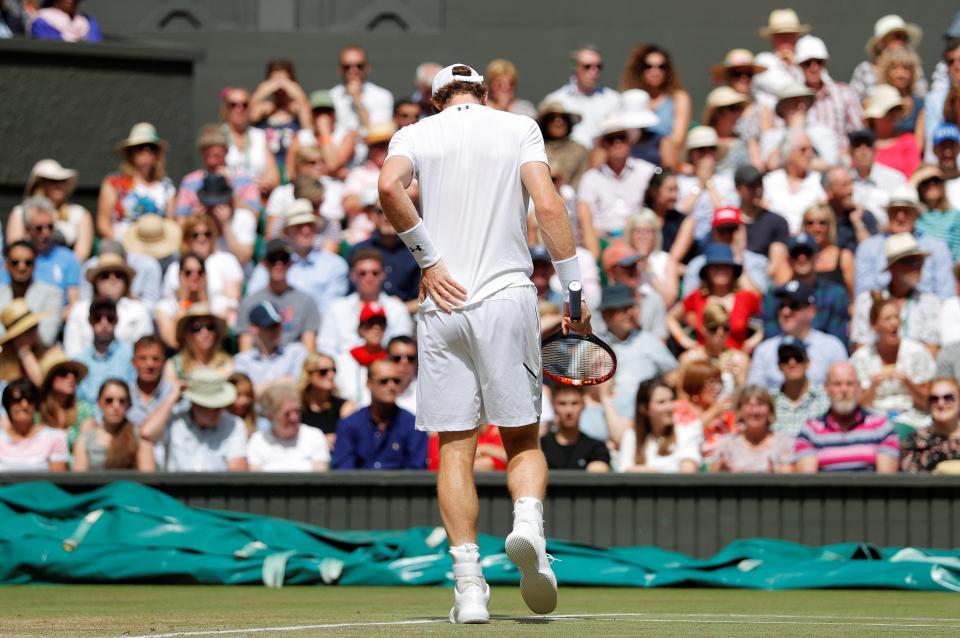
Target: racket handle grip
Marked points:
575	288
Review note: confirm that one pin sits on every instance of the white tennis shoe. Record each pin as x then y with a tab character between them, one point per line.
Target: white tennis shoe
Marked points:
471	596
527	549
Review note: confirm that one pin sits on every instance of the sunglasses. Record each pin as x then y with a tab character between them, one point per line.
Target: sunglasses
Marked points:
209	326
66	373
715	329
144	147
39	228
945	398
110	274
22	399
737	73
790	357
323	371
598	66
662	67
21	262
933	181
409	358
359	67
98	318
386	380
115	400
816	222
792	305
912	262
369	273
811	62
201	234
951	59
238	105
192	273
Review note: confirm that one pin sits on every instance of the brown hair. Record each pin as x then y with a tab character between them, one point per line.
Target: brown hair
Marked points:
363	254
159	170
761	394
281	65
190	359
182	293
641	420
632	77
950	113
250	418
49	406
122	453
696	376
198	219
458	87
878	301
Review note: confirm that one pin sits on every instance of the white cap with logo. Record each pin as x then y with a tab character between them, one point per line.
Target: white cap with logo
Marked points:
445	76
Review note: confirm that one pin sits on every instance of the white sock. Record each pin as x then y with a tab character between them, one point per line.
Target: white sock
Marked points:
466	561
530	510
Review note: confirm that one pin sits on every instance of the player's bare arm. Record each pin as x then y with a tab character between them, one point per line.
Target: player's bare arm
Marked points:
556	231
435	280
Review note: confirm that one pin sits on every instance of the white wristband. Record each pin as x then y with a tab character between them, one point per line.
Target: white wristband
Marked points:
417	239
567	270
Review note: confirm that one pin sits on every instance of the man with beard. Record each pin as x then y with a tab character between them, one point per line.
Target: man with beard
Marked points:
846	438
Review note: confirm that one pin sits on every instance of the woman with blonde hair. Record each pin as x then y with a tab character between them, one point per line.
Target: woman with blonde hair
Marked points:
643	234
73	224
654	443
140	187
200	335
754	449
732	363
898	68
112	442
501	78
831	262
649	67
925	449
322	404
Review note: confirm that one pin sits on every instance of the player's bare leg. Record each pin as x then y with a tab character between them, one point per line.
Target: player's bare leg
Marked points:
459	510
526	545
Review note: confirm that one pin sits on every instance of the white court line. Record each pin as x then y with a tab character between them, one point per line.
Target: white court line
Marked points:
704	619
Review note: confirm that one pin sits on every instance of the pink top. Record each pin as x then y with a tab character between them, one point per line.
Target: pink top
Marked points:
33	454
739	456
903	154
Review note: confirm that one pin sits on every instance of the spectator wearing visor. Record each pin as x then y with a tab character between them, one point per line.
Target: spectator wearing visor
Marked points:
795	313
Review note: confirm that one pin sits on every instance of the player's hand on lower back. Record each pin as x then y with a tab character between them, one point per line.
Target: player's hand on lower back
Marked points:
583	326
437	282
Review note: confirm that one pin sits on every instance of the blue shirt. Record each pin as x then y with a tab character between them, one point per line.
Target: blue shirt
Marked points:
321	274
823	351
59	267
140	409
833	311
402	274
285	361
936	276
361	444
116	362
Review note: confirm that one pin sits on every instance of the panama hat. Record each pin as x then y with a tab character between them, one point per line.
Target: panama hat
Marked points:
923	173
379	133
880	100
947	468
153	235
783	21
904	195
200	310
735	59
17	318
554	107
321	100
791	91
142	133
889	24
612	123
702	137
635	109
720	97
50	169
208	389
212	135
54	360
107	263
901	245
300	212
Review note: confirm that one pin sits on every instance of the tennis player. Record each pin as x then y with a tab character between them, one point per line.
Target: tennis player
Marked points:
479	334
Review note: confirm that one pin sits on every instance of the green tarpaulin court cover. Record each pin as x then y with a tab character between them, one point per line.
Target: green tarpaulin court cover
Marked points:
126	532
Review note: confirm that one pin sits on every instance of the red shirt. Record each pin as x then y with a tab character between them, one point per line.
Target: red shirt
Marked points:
746	304
491	436
903	154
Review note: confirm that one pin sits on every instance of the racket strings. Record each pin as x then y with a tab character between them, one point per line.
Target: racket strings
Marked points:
577	360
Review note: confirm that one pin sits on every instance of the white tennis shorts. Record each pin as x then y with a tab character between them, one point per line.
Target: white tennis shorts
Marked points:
480	364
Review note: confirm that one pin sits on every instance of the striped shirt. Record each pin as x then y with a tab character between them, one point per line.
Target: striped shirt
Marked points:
836	106
847	450
945	226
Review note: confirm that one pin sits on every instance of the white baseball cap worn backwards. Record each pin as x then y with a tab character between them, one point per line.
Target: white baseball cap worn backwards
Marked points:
445	76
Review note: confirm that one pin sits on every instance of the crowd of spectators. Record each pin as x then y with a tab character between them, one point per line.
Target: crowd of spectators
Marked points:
777	272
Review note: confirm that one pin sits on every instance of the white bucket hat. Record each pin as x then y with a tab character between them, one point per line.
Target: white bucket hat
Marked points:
701	137
723	96
613	123
904	195
208	389
887	25
52	170
142	133
880	100
810	47
635	109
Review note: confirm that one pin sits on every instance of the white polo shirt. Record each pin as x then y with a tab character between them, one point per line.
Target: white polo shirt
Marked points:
613	197
789	203
467	159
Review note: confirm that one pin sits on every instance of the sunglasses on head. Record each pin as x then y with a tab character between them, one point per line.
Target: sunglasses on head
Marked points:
945	398
386	380
409	358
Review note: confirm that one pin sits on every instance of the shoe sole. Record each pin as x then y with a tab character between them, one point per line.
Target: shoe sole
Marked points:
475	618
538	589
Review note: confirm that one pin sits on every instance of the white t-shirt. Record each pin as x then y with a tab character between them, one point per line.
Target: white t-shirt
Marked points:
133	321
791	204
252	160
467	159
687	446
270	454
339	324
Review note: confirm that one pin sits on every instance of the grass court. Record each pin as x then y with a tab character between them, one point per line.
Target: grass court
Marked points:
172	611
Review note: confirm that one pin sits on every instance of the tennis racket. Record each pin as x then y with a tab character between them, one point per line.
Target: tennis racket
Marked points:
575	359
